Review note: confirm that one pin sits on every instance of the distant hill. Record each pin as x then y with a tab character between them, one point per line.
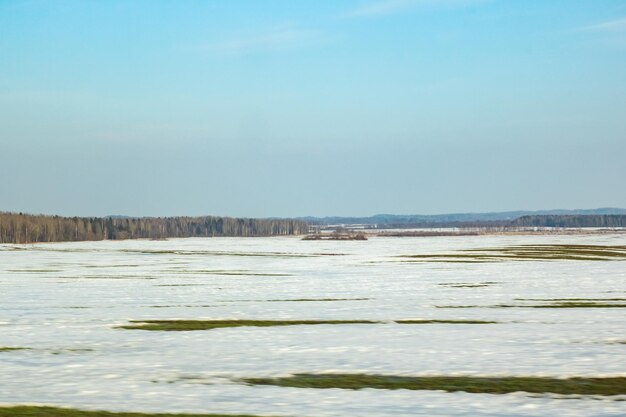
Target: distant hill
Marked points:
502	218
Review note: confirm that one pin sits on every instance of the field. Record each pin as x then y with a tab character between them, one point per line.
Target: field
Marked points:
490	325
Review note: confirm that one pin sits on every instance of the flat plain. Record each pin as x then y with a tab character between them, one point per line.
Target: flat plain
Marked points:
234	322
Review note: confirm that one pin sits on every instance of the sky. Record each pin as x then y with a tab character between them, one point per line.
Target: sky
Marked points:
292	108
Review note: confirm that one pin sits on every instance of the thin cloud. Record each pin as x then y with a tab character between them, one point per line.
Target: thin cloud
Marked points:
618	25
278	38
387	7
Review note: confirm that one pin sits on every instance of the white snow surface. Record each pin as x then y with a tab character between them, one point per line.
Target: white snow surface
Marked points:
64	301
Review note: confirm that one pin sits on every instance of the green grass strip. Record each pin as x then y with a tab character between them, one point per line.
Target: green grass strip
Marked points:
31	411
188	325
528	252
579	305
553	305
472	384
12	348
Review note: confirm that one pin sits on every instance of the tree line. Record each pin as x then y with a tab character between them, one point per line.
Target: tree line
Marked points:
608	220
26	228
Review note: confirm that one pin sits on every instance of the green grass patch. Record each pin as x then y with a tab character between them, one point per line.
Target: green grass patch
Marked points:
472	384
528	253
573	304
71	350
33	411
578	304
190	325
12	348
465	285
52	351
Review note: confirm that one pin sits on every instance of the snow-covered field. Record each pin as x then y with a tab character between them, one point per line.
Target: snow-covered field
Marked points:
64	300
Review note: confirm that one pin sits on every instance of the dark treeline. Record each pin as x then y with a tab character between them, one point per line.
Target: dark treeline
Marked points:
452	219
523	222
25	228
547	220
476	224
571	221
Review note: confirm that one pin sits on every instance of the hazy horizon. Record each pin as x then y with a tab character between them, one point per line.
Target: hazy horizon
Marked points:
122	215
292	109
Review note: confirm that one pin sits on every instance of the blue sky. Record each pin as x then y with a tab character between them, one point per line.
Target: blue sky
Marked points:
285	108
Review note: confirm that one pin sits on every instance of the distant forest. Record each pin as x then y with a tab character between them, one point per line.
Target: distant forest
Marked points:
457	219
608	220
25	228
524	222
